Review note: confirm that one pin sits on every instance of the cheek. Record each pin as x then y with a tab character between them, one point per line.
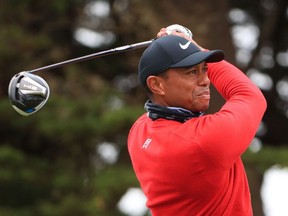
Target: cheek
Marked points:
178	94
185	96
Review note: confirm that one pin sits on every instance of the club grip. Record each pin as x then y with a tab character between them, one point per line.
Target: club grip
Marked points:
179	28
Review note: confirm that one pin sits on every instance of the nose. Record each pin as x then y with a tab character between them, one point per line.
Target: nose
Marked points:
204	79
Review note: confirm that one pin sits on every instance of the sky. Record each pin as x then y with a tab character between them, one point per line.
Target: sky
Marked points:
274	191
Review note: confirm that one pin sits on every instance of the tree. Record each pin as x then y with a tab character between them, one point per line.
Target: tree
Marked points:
50	163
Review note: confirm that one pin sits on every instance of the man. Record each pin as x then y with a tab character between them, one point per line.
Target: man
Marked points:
188	163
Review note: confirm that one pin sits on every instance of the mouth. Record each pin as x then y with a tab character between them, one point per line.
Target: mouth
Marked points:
204	94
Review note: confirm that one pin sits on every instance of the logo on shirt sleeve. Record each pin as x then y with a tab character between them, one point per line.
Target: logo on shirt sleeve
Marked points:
146	143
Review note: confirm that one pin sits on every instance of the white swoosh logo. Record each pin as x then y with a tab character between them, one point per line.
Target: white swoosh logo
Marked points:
184	46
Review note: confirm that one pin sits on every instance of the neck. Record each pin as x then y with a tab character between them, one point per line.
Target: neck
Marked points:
156	111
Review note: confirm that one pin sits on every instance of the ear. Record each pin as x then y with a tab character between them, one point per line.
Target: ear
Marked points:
155	84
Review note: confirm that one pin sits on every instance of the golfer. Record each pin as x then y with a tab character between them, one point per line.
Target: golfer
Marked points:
188	163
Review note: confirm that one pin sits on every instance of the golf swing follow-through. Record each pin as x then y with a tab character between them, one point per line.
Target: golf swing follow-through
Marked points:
28	92
187	163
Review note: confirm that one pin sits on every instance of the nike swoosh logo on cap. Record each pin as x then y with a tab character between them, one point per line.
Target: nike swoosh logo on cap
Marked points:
184	46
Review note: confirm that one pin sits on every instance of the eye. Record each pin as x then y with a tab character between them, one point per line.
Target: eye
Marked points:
191	71
204	69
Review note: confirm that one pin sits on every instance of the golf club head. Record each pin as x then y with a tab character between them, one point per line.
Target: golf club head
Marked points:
179	28
28	93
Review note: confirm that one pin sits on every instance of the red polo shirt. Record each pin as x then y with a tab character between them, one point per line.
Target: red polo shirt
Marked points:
194	168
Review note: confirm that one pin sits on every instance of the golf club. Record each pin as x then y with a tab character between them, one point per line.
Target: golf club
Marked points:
94	55
28	92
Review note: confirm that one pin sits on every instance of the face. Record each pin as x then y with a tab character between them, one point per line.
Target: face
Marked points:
185	87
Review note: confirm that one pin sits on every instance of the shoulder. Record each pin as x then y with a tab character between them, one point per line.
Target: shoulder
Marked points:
140	121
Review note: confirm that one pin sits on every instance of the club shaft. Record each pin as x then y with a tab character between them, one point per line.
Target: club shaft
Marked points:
94	55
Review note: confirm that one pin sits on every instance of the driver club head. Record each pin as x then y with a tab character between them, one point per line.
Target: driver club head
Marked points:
28	93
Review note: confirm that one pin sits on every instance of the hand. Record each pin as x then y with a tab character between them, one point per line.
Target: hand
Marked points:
164	32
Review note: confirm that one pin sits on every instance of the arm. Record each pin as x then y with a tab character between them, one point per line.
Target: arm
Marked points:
226	134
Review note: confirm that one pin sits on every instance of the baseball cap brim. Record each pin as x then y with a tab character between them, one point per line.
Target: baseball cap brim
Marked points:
198	57
173	52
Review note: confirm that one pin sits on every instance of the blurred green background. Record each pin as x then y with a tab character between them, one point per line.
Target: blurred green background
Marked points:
70	158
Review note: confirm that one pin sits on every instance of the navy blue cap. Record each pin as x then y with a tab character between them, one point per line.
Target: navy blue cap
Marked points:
173	52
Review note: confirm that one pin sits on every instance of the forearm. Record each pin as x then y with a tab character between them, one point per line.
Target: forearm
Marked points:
228	133
232	83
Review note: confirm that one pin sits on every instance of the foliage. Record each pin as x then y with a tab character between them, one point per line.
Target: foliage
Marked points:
49	164
267	157
47	161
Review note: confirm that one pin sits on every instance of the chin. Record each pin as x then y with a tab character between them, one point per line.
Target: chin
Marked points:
202	109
